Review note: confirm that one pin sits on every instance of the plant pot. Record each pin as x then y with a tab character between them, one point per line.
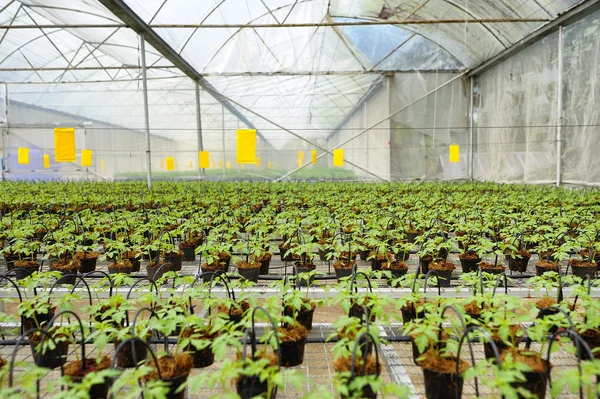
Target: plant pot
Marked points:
292	353
444	277
249	387
302	269
42	319
202	358
489	351
342	272
154	273
282	252
264	266
440	385
97	391
207	273
10	261
403	256
122	270
539	270
517	264
135	263
24	271
424	264
174	384
125	356
409	313
357	311
51	358
323	255
189	254
87	265
583	271
304	317
250	273
469	265
592	339
64	272
364	254
176	261
411	236
535	382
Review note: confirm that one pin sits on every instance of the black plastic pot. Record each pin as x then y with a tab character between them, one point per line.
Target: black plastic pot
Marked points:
29	322
22	272
135	264
367	393
300	269
402	256
396	273
364	254
442	385
282	252
340	273
249	387
305	317
63	272
583	271
123	270
87	265
50	358
409	314
202	358
189	254
124	358
264	266
412	235
469	265
539	270
176	261
250	274
444	276
292	353
517	264
208	273
489	352
97	391
323	255
357	311
174	384
535	382
424	264
154	273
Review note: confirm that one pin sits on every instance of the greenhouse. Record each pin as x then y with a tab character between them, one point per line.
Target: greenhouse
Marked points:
309	199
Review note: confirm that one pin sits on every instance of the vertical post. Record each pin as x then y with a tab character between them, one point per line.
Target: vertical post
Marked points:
5	133
223	136
559	106
367	140
389	124
199	127
85	168
146	116
471	131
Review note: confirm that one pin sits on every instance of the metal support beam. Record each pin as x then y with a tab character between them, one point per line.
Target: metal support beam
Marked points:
559	105
471	129
146	114
199	127
577	12
5	133
373	126
133	21
223	136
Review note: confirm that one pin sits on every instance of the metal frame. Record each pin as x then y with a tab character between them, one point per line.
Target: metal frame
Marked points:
199	126
146	111
559	104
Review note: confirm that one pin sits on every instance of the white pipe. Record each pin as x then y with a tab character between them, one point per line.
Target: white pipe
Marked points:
559	107
146	114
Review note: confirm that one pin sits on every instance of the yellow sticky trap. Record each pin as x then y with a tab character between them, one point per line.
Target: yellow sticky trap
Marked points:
64	144
162	163
228	165
86	157
269	164
454	153
204	160
170	163
46	159
258	161
338	157
220	164
23	156
301	155
246	146
314	157
299	162
102	165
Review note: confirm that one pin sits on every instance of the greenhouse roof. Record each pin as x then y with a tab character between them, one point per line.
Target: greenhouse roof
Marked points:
278	65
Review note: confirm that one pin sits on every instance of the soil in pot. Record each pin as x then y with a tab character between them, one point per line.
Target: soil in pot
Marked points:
134	258
344	364
409	312
202	357
585	253
444	271
474	311
10	260
491	268
592	338
25	268
304	316
283	249
264	260
87	261
208	269
189	249
536	380
248	271
343	268
123	267
292	340
173	370
66	266
519	262
469	261
439	373
543	266
235	315
76	373
153	270
439	345
49	358
500	344
579	268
